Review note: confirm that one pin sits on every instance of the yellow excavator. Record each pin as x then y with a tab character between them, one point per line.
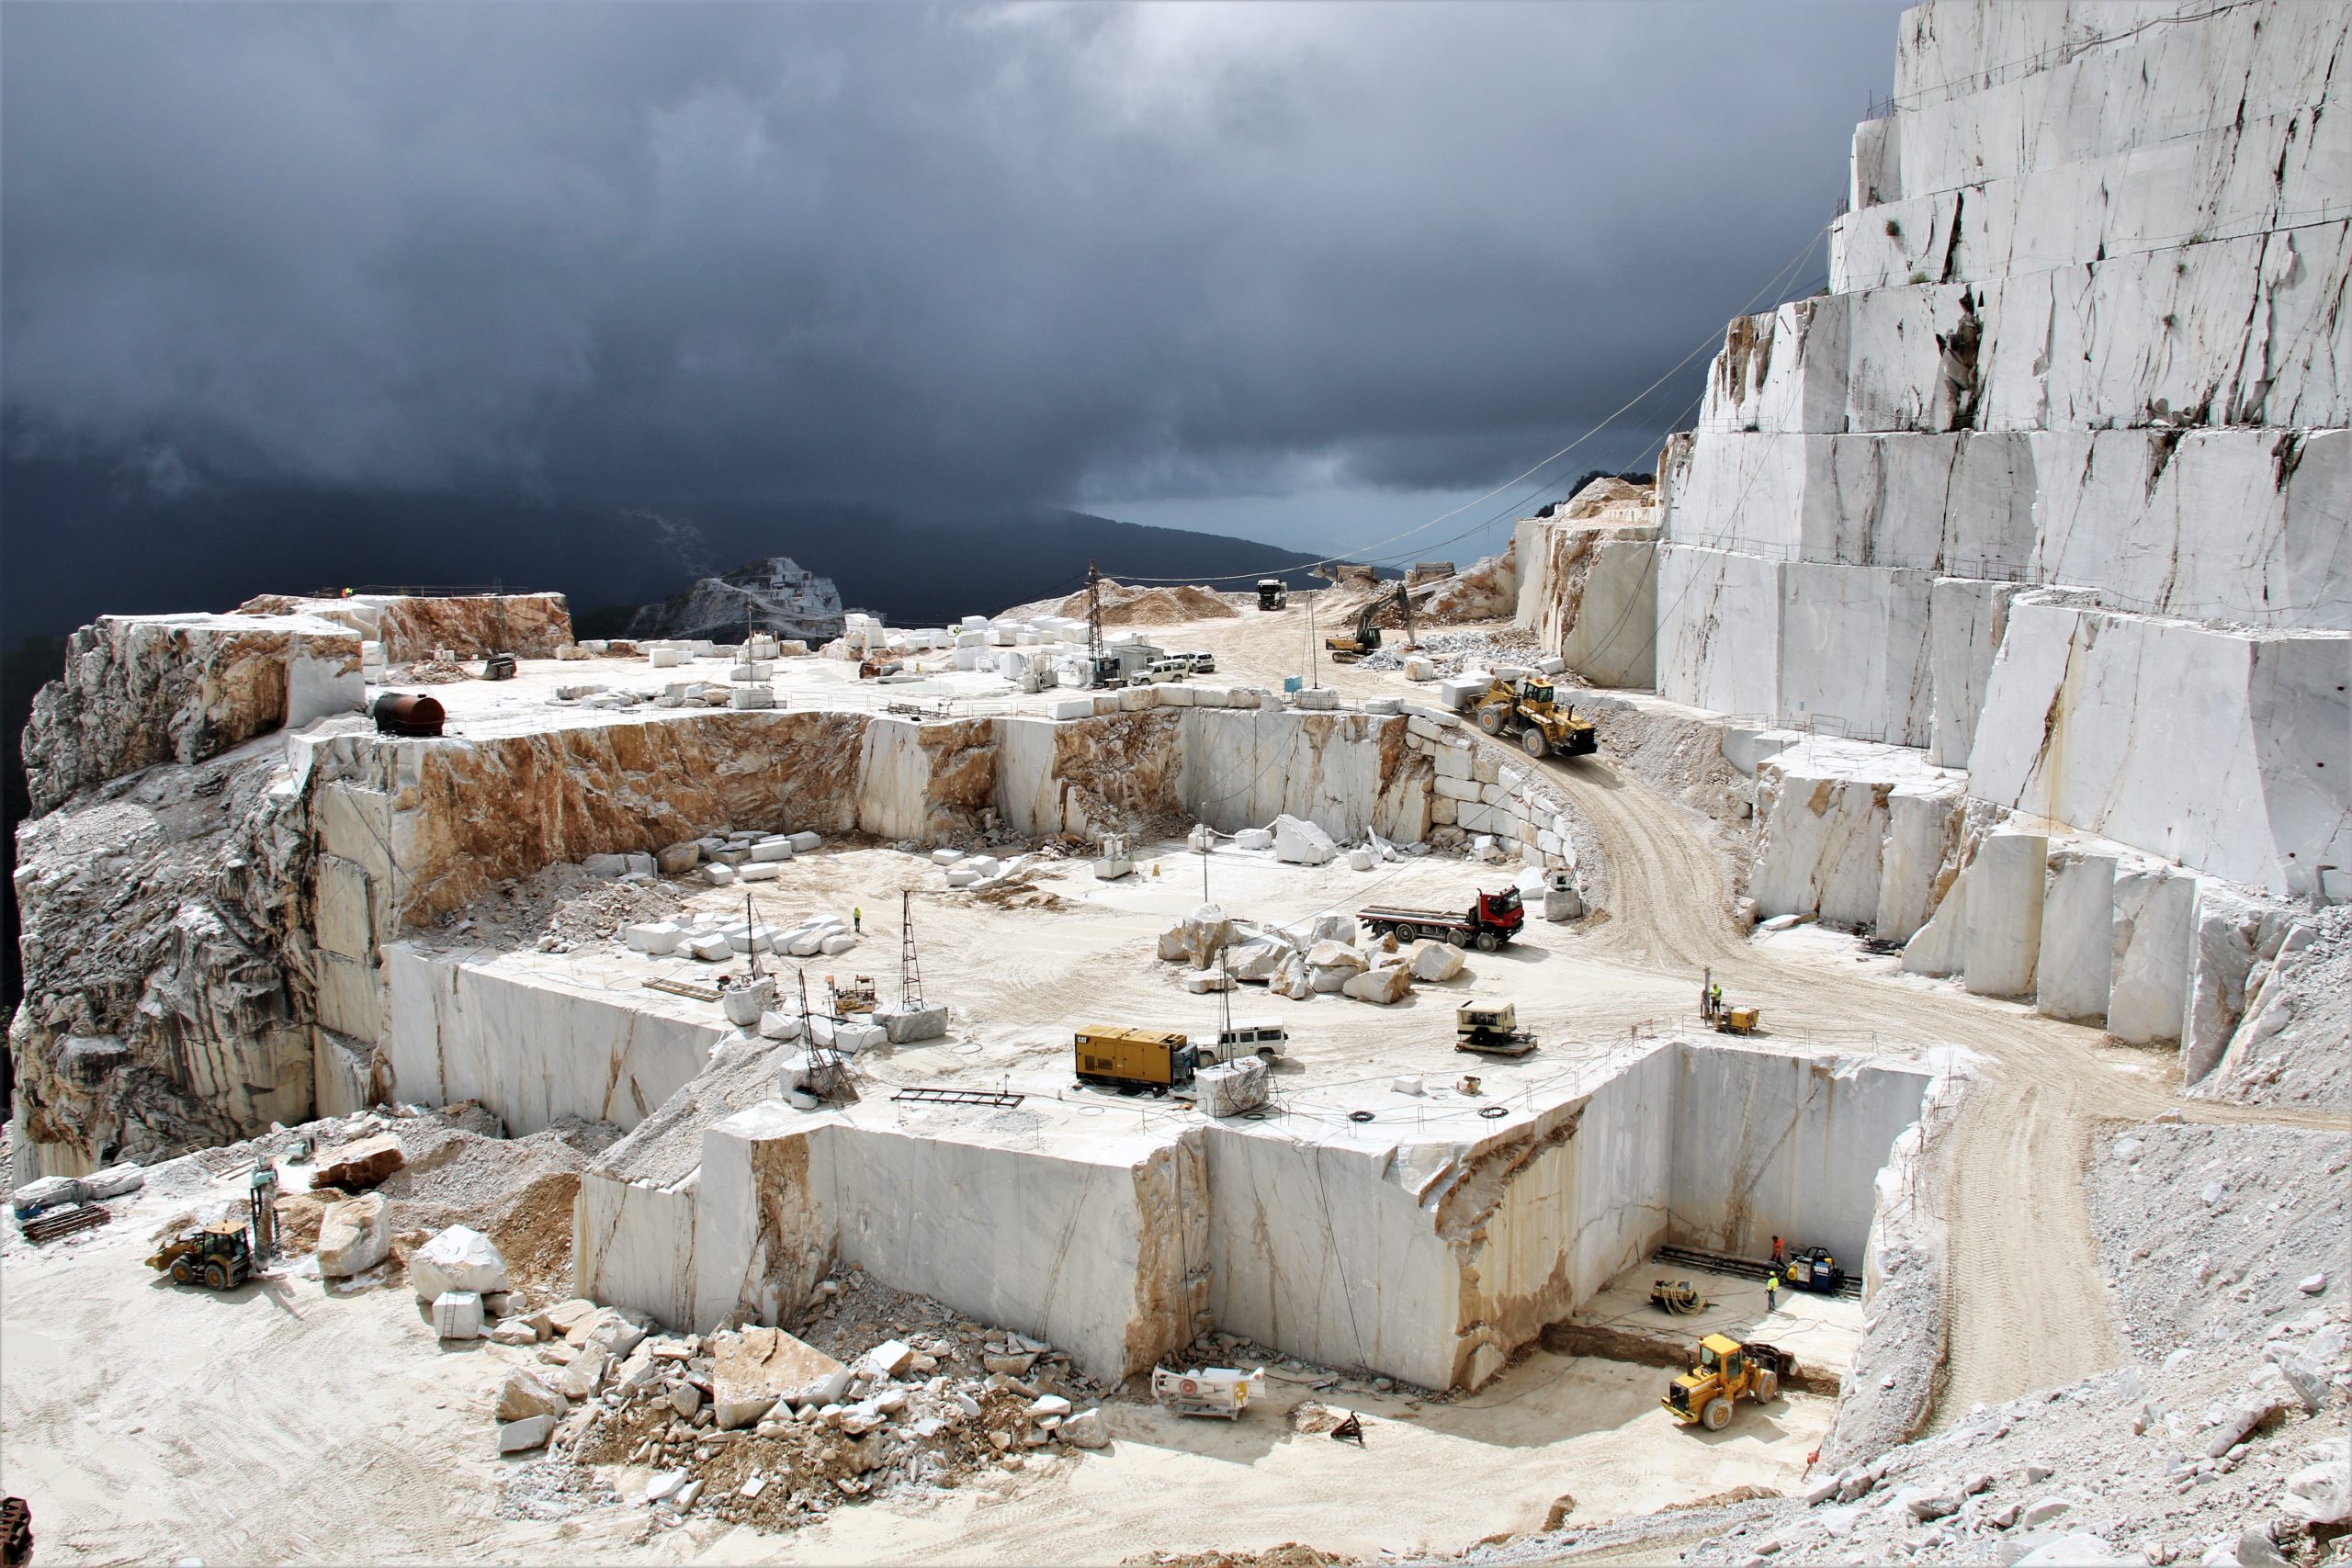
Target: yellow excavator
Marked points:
1530	710
1346	648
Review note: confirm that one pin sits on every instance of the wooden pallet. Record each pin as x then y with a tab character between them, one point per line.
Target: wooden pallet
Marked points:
50	1224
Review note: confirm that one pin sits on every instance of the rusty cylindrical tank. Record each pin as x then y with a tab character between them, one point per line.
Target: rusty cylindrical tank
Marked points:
413	716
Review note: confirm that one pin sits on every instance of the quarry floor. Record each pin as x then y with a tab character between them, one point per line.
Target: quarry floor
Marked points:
275	1423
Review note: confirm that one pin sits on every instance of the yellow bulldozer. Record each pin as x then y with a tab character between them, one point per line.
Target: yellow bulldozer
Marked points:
1530	710
1727	1368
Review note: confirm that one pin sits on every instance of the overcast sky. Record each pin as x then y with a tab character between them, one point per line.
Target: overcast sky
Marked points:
1303	271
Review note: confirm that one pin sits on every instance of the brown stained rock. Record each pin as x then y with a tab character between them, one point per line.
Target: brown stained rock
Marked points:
529	626
139	689
357	1167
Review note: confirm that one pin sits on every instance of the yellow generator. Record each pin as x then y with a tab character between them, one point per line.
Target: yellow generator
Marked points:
1153	1059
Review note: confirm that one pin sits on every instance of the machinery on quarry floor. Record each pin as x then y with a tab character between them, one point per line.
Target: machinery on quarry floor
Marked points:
1815	1270
15	1532
1530	710
1678	1297
218	1255
1222	1391
1150	1059
1490	1029
1273	594
1488	924
1347	647
1726	1369
1721	1017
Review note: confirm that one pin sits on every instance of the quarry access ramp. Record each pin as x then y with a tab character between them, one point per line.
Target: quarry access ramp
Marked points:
2025	1298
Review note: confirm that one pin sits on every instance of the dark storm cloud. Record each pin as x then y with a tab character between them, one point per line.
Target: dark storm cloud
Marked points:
884	253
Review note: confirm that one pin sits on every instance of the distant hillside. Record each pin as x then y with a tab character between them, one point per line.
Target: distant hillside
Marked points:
82	540
931	572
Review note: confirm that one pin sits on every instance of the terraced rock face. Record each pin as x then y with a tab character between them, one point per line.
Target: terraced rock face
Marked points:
139	689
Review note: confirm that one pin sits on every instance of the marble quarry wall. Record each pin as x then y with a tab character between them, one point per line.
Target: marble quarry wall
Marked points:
2039	510
2086	331
1766	1145
1429	1253
531	1046
214	909
139	689
413	627
1588	583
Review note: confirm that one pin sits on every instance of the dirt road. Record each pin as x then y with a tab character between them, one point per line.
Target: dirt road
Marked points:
2027	1302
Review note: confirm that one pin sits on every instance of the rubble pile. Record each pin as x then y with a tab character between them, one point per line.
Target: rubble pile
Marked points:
1326	955
1452	652
518	1192
756	1426
1124	606
558	908
425	672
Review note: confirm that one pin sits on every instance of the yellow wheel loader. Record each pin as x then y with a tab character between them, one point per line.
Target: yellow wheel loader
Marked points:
1530	711
1727	1370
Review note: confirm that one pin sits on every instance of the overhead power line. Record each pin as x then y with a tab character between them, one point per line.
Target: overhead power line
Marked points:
1368	548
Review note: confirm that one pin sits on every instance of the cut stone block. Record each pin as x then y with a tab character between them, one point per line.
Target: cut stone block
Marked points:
1301	842
658	938
1231	1088
2005	893
759	871
907	1026
1384	985
778	848
357	1167
521	1437
353	1238
460	1259
2077	952
457	1314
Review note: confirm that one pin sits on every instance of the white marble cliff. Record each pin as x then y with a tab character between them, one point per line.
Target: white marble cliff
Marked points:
2044	499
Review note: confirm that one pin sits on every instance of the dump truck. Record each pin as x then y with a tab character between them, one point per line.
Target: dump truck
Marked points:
1530	709
1349	646
1488	924
1273	594
1490	1029
218	1255
1726	1369
1156	1060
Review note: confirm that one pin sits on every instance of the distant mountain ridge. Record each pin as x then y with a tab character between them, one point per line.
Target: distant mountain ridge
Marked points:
215	547
773	595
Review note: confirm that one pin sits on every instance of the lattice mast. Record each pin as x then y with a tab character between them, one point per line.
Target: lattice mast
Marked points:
910	971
